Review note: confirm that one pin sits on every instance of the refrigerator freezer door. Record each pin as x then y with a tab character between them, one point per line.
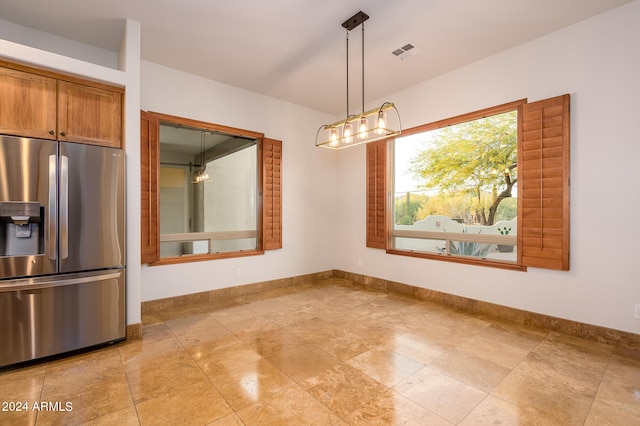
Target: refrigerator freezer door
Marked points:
28	183
45	316
92	213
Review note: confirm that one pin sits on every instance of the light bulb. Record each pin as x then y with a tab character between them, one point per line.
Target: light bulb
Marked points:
382	122
348	131
201	176
334	136
362	131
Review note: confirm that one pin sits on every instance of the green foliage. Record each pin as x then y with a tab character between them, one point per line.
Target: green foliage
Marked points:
455	205
406	211
466	248
507	209
504	231
407	208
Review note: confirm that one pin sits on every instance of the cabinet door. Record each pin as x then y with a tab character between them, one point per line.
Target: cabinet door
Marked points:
89	115
27	104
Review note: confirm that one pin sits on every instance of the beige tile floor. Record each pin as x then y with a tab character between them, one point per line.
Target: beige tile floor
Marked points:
330	353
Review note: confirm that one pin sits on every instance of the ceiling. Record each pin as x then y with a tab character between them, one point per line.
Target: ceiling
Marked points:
191	141
294	50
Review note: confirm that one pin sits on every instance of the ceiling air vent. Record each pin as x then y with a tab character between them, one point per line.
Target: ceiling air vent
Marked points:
406	51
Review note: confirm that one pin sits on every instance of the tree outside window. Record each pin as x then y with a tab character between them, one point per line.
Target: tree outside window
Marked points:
466	171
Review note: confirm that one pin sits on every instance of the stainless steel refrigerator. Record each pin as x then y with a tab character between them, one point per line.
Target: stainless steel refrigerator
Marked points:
62	247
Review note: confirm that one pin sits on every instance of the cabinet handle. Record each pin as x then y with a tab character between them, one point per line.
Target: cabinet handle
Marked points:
51	132
63	134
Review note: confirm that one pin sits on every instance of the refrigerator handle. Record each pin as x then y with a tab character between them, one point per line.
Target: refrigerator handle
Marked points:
64	207
52	211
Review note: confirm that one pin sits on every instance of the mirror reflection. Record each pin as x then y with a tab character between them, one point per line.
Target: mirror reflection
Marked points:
208	191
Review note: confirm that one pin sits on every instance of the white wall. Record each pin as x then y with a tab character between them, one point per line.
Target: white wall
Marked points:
54	44
308	173
597	62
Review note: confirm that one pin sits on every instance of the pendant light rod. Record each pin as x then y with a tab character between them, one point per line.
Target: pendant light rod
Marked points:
363	67
201	174
347	38
351	23
202	136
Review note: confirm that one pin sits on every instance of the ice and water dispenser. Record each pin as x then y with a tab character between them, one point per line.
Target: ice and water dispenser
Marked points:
21	228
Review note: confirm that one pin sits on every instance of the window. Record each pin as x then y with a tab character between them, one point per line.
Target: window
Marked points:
208	191
489	187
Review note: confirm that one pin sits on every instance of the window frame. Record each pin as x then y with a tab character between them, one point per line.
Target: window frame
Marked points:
269	206
536	247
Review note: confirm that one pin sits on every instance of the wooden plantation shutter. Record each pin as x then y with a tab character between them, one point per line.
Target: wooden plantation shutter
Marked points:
272	194
545	184
376	194
149	166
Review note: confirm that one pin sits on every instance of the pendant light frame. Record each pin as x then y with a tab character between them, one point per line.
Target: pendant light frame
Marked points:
368	126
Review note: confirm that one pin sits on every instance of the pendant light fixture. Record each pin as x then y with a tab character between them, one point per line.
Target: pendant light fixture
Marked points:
201	174
368	126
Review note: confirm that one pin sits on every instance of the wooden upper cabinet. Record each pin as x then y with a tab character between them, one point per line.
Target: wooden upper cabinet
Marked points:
89	115
27	104
47	105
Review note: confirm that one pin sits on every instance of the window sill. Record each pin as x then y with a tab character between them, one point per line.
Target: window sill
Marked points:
460	259
204	257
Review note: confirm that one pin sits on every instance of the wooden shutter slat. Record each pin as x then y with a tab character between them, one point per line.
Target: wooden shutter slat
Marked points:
149	166
546	203
551	233
547	213
272	194
547	172
551	143
534	194
546	184
544	160
376	194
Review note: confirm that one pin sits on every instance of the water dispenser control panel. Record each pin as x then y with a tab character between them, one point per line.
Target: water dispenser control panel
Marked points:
19	228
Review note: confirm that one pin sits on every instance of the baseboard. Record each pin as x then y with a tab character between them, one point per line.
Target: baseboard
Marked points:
134	331
231	293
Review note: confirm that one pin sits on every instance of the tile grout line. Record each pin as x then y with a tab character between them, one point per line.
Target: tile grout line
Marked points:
595	394
126	376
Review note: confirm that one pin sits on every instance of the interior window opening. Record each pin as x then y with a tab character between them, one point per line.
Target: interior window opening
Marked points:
208	187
